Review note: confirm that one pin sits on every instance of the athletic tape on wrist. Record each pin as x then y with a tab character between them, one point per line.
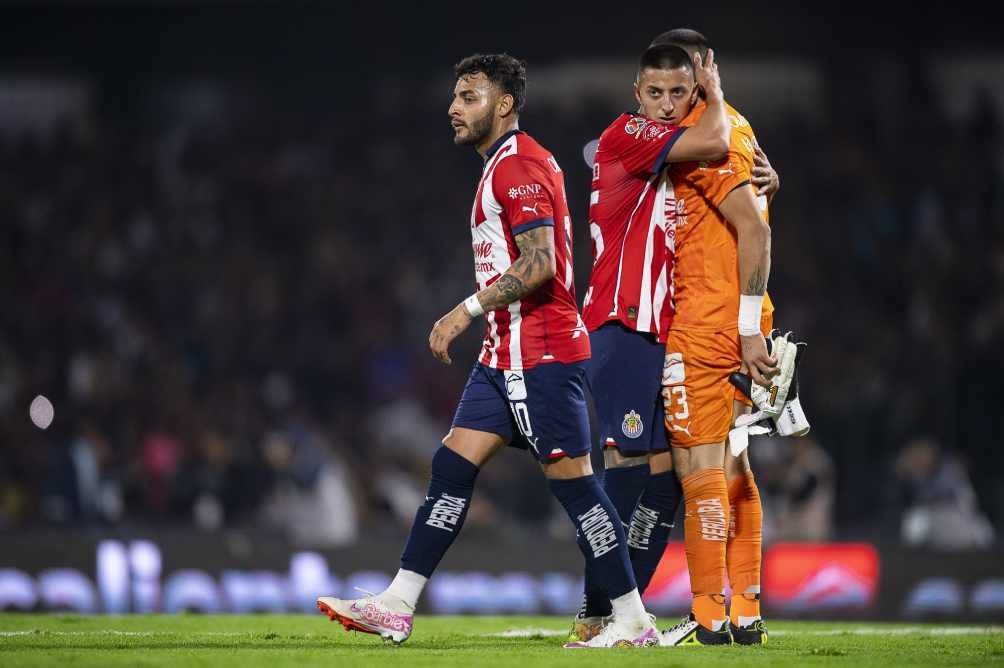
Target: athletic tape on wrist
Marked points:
749	314
473	306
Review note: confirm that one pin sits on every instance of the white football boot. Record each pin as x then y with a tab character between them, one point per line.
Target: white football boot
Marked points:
381	614
617	634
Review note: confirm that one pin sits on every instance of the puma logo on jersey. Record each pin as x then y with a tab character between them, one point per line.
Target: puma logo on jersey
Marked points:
532	209
685	430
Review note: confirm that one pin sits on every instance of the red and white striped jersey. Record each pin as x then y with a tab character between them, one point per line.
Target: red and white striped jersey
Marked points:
629	205
521	188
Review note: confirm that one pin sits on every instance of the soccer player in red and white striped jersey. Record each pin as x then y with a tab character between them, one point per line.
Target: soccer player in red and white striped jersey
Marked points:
528	387
632	256
522	188
628	306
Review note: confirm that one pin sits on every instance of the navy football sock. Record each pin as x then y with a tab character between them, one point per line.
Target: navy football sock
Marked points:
599	533
439	519
623	485
651	524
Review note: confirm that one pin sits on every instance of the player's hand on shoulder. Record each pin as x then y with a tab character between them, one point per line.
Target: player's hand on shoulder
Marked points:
757	362
447	328
765	179
706	72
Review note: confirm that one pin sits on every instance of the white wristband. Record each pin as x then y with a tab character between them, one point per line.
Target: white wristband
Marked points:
473	306
749	314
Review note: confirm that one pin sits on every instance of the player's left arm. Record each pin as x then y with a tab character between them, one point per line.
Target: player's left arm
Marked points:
517	183
740	210
534	267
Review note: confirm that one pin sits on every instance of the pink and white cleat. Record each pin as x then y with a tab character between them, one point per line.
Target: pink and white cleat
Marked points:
382	615
621	635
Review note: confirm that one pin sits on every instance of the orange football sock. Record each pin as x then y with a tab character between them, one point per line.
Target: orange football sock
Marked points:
744	549
706	522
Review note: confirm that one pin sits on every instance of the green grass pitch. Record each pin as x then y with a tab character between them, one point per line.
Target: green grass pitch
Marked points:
301	640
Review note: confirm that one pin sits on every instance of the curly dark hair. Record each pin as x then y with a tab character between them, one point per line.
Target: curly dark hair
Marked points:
504	71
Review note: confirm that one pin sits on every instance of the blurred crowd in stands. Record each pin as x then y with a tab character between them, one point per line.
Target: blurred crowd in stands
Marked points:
230	316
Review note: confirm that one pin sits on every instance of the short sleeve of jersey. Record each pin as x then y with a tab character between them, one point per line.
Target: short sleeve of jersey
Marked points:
642	144
717	180
525	189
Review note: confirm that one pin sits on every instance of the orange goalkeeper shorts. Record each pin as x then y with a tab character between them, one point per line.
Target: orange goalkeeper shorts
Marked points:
696	393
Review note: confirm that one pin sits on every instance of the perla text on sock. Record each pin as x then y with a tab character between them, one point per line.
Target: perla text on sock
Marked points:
446	512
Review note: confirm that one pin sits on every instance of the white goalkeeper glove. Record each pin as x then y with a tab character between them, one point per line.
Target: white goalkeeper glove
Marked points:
770	400
777	409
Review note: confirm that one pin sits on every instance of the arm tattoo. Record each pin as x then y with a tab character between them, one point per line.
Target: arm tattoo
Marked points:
537	246
757	284
533	267
510	288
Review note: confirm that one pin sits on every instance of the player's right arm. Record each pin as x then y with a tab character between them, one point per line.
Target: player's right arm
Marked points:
708	139
645	146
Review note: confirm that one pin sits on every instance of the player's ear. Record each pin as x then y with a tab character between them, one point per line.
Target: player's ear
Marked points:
505	105
637	92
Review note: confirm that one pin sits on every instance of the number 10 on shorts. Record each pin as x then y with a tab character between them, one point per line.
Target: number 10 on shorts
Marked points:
515	385
522	415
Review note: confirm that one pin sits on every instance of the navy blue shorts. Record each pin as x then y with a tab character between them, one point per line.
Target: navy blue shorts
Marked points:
625	375
542	409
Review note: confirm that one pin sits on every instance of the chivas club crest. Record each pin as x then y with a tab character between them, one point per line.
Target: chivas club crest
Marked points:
632	425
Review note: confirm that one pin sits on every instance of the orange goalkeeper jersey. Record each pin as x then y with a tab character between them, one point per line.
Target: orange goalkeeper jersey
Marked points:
706	265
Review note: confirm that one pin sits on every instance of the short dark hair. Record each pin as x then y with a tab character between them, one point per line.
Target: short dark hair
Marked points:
504	71
685	38
665	57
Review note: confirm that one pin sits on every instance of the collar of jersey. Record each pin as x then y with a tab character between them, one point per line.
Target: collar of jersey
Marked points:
498	143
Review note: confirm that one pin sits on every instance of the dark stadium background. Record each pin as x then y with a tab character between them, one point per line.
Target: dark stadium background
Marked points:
225	233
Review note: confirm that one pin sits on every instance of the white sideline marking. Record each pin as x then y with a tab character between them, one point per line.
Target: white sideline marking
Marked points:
860	631
526	633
